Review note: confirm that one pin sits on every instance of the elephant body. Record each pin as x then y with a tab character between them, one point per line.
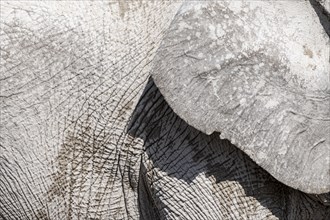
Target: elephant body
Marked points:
71	75
85	135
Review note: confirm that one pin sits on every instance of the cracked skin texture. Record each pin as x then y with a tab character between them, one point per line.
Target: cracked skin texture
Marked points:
69	86
71	75
259	79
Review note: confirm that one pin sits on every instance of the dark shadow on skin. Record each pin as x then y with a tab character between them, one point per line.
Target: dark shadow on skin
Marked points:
147	206
323	15
183	152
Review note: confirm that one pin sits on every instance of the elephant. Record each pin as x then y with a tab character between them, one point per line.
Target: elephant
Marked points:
249	80
98	122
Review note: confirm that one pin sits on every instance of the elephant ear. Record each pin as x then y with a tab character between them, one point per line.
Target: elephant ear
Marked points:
258	73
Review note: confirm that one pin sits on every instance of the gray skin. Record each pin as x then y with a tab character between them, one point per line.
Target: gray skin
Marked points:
260	79
76	142
324	5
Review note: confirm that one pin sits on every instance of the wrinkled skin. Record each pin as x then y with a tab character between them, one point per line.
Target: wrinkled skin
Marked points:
76	142
72	75
260	80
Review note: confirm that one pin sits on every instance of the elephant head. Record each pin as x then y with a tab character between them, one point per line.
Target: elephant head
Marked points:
85	134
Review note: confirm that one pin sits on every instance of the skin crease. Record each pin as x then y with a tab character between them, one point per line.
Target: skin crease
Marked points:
76	142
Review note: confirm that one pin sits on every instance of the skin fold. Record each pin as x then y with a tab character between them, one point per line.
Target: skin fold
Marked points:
85	134
191	175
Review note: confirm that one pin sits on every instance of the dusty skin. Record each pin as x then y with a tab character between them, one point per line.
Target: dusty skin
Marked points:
86	134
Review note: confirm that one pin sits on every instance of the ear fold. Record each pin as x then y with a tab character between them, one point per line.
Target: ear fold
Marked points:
258	73
325	5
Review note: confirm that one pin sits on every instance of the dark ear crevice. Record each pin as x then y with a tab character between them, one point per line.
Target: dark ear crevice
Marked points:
147	207
323	198
323	15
